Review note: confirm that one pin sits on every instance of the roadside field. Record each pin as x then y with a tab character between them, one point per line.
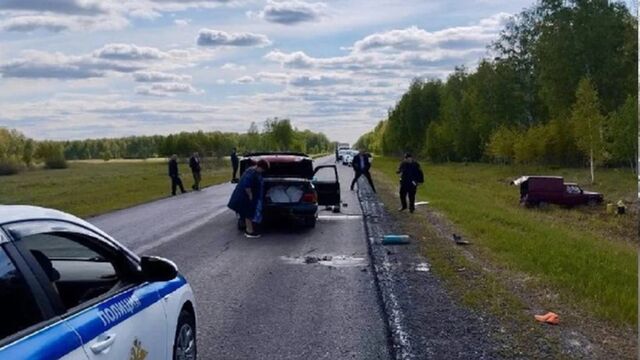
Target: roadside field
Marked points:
91	188
586	258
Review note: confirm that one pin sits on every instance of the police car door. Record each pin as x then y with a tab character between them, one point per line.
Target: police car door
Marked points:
29	328
95	287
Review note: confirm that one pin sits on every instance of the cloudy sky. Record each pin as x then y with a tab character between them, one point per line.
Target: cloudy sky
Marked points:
74	69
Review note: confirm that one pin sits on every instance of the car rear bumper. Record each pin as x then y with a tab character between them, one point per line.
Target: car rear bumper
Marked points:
299	210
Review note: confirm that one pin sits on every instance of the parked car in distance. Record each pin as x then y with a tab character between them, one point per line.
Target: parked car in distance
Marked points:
342	148
538	190
347	159
293	188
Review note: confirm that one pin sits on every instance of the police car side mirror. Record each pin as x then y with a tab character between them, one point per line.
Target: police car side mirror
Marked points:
155	268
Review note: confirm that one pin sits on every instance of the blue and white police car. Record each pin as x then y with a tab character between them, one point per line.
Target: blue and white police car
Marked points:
70	291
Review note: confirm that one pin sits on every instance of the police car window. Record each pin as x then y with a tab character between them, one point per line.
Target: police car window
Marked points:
18	309
77	273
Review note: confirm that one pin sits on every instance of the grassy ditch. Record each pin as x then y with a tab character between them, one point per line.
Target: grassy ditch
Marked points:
587	257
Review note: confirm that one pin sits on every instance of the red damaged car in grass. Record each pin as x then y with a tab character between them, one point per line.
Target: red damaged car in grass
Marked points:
540	190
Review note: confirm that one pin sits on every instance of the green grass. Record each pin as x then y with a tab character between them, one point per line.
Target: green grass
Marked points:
91	188
587	256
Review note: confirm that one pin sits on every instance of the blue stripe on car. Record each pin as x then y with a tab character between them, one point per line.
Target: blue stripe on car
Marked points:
59	339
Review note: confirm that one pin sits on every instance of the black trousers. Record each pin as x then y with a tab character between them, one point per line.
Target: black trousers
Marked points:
235	170
410	190
367	175
197	177
176	182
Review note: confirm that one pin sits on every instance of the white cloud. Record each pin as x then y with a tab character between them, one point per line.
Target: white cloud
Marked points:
69	7
182	22
318	80
232	67
31	23
128	52
158	76
166	89
213	38
414	38
119	58
244	80
291	12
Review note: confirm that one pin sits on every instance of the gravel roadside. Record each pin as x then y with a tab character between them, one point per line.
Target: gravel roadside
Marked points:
424	321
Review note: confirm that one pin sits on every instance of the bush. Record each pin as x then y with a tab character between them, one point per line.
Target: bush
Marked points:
9	167
52	154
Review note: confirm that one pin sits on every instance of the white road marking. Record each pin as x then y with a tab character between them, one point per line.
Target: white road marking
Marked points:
338	217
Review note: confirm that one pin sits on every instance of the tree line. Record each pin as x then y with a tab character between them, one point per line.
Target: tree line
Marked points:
18	152
559	88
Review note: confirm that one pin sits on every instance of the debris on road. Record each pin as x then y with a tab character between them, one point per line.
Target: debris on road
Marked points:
422	203
423	267
459	241
395	239
548	318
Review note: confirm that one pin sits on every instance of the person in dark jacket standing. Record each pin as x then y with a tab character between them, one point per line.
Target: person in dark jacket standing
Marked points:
246	199
234	164
361	166
194	164
175	175
410	176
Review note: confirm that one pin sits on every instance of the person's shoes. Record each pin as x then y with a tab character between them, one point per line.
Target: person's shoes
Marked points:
402	209
251	235
412	210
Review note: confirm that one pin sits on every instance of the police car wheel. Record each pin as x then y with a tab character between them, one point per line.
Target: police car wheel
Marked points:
184	345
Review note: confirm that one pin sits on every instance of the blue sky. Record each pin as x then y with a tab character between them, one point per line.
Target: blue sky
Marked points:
74	69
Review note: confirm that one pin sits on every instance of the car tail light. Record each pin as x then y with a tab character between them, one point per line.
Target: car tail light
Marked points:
310	197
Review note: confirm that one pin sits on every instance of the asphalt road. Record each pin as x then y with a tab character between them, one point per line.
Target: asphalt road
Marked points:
259	298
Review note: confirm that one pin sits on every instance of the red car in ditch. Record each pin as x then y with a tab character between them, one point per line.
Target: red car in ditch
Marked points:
539	190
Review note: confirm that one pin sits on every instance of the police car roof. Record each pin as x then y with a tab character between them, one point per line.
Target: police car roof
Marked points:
15	213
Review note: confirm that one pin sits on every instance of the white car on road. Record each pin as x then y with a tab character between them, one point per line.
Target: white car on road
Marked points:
70	291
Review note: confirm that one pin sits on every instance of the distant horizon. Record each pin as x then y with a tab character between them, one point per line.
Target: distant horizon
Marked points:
96	69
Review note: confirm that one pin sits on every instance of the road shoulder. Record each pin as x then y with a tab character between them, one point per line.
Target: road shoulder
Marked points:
424	320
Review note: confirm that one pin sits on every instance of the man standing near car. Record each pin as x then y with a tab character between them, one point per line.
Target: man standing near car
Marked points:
175	175
410	176
234	164
194	164
361	166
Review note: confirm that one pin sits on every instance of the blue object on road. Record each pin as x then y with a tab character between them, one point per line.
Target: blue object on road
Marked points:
395	239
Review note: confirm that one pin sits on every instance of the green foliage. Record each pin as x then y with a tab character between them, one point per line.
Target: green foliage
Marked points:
501	145
622	130
527	90
588	123
52	154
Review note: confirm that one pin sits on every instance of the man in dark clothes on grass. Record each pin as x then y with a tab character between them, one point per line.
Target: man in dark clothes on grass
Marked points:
175	175
361	166
234	164
194	164
410	176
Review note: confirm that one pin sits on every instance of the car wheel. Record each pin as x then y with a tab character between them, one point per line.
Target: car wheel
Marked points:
543	205
310	221
184	345
592	202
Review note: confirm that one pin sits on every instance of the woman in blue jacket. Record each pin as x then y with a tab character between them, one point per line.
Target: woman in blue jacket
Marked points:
246	199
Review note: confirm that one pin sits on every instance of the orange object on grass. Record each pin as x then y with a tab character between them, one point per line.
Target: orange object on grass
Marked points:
549	318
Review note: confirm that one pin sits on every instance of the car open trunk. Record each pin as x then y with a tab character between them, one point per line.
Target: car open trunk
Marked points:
285	190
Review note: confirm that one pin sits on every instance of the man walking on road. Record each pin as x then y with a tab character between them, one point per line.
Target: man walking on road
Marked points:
234	164
410	176
361	166
194	164
175	175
